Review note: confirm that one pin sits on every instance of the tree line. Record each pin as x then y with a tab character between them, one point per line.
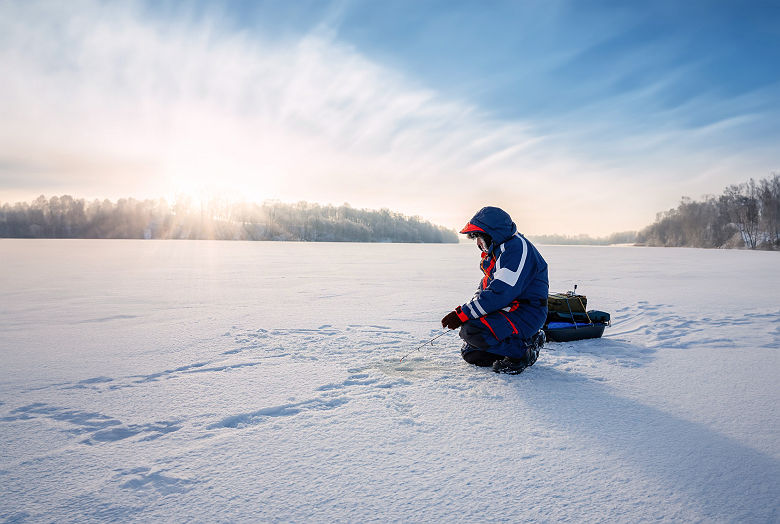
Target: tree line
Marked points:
744	215
623	237
215	219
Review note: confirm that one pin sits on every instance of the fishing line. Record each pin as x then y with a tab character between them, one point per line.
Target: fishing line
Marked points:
426	343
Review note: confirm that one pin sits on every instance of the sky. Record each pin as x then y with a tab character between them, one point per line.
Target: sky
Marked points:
577	117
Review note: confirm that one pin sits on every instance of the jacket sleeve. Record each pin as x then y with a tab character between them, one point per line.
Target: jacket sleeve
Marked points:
513	271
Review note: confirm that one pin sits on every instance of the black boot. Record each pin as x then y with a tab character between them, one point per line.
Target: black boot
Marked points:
537	343
515	366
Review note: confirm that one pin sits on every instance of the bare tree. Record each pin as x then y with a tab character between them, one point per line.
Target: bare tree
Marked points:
743	206
769	198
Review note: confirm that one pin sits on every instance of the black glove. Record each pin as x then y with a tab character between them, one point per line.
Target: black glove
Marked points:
451	320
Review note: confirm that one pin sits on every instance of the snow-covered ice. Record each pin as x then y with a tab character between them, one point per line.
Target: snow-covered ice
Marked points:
233	381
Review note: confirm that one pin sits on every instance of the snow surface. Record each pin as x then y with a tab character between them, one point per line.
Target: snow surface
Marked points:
233	381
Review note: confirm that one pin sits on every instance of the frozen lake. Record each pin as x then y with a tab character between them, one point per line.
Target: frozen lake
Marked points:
235	381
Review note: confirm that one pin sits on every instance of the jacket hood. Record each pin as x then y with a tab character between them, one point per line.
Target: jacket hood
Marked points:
495	222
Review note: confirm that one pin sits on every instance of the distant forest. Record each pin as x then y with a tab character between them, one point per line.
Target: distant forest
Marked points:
68	217
624	237
745	215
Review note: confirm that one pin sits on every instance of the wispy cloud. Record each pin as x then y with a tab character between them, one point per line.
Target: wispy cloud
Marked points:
111	92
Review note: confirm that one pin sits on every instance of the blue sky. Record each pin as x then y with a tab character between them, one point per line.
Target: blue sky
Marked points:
546	58
430	108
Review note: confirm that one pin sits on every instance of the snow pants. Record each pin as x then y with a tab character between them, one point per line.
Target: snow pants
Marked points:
500	334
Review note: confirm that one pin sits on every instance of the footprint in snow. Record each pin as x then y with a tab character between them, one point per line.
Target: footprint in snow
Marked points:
259	416
98	427
143	479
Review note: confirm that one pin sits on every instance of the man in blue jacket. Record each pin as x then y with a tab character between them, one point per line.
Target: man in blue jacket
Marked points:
501	325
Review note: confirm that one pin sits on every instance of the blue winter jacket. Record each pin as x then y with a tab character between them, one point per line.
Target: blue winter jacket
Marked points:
512	296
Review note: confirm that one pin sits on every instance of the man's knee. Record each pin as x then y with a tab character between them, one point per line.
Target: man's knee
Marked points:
473	333
481	358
